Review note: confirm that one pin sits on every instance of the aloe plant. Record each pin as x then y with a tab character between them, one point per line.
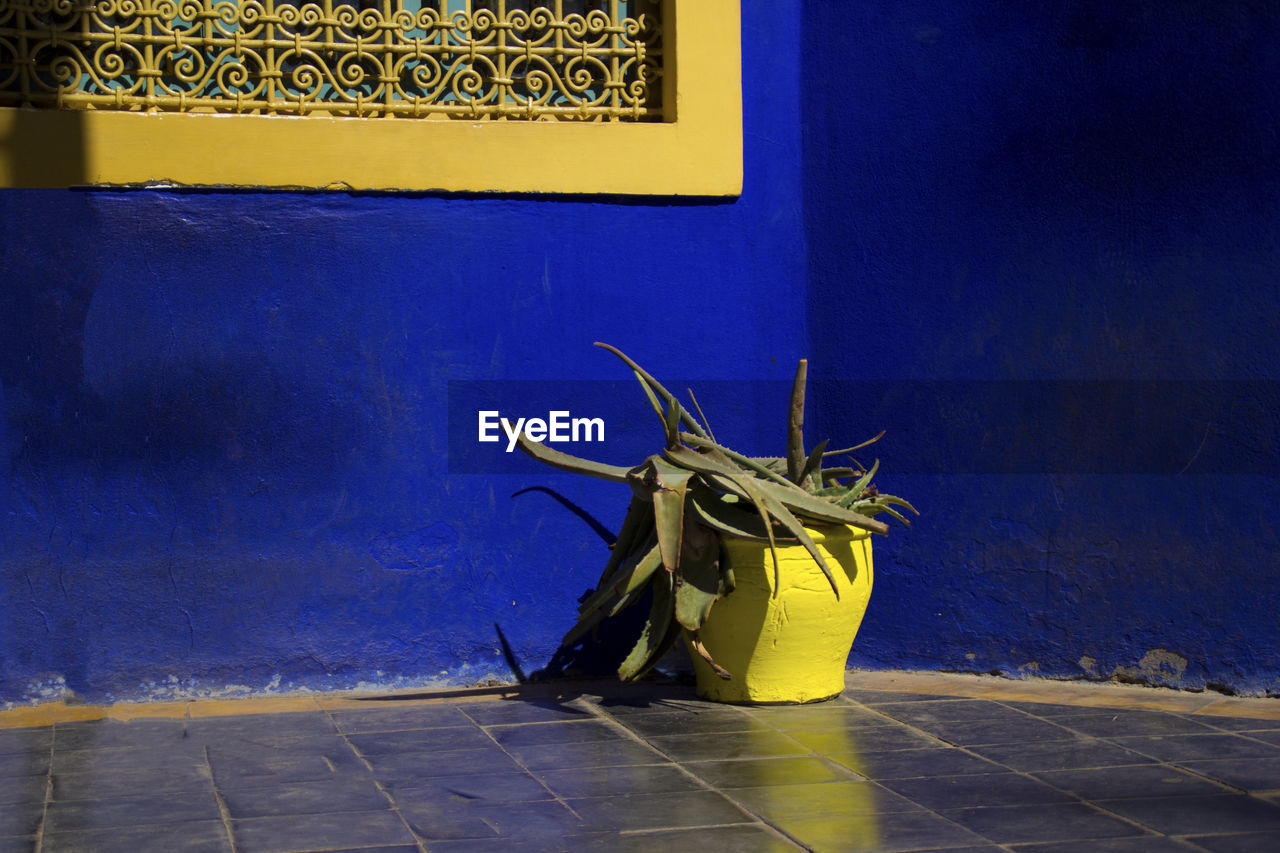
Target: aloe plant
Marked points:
685	498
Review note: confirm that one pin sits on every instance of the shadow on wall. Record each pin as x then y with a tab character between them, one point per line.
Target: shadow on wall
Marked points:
41	146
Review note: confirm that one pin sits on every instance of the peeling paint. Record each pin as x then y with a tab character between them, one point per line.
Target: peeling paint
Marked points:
1158	666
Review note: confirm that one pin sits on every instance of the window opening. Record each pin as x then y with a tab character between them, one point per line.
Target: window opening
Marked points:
591	60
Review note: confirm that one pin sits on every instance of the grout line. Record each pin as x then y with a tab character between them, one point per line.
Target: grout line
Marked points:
640	739
48	792
559	799
1168	765
368	765
223	811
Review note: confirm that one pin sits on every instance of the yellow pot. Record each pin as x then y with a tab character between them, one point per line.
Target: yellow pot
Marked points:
791	647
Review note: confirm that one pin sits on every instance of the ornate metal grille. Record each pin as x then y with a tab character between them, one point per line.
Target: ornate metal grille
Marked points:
468	59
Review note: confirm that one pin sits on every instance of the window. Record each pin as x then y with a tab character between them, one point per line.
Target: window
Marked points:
579	96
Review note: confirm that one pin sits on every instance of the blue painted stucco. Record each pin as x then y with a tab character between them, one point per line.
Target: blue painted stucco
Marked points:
224	431
1006	197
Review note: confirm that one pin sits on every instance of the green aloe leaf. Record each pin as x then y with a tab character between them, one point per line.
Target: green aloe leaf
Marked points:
636	568
708	464
848	450
668	507
779	511
698	580
897	501
695	640
811	464
568	462
672	423
819	510
656	386
636	524
715	513
743	461
653	640
856	489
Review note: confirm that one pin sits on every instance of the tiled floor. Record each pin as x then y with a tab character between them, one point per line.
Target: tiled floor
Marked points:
900	762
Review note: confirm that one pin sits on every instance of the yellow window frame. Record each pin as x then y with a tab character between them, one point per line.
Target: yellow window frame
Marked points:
696	149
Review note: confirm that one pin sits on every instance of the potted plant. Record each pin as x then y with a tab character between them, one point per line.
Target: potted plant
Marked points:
750	540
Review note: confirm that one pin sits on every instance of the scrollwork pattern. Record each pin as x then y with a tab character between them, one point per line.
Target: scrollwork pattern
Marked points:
334	57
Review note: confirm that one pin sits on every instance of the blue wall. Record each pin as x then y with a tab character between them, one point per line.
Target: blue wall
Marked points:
1001	199
224	425
224	414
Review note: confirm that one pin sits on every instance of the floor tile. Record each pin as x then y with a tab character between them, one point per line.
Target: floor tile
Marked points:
852	799
103	734
1137	844
657	725
1131	723
1144	780
720	839
614	781
1075	754
763	772
497	713
712	747
1270	737
26	741
1237	724
116	759
1246	842
1051	710
995	789
1187	815
419	740
380	848
883	697
1056	822
546	819
179	779
509	787
529	734
233	746
856	742
408	768
207	836
1256	774
986	732
388	717
823	716
320	832
76	815
1198	747
306	798
933	711
261	726
620	706
661	810
839	833
592	754
915	763
22	789
272	768
21	818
